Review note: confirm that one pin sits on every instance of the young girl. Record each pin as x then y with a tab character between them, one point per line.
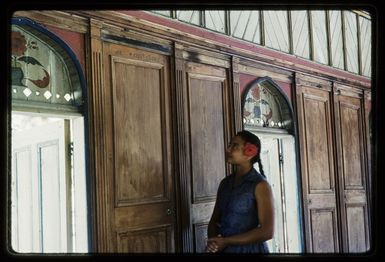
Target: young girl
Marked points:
243	216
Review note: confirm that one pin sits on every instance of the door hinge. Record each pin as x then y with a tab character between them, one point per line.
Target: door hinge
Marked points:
281	158
71	148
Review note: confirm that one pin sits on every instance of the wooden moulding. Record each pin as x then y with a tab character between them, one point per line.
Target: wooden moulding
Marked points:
60	19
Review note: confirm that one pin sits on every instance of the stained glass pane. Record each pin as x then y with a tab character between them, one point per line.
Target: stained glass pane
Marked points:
42	73
264	106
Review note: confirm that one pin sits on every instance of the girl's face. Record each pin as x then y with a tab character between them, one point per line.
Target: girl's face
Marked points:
234	151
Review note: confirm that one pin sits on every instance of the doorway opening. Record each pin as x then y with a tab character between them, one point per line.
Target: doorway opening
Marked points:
49	207
267	113
48	185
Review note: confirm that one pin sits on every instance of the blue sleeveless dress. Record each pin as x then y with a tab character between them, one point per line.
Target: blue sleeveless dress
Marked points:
238	210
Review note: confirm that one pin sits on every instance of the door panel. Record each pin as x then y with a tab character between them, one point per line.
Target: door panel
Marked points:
207	90
323	232
351	150
139	138
39	172
318	179
271	167
291	180
146	240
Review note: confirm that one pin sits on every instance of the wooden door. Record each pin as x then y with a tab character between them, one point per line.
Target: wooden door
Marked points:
317	161
139	188
207	110
351	145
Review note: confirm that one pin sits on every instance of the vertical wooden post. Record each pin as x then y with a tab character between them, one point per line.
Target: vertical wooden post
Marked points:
97	141
183	178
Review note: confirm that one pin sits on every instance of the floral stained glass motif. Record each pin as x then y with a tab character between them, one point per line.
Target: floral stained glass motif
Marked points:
41	72
20	61
261	108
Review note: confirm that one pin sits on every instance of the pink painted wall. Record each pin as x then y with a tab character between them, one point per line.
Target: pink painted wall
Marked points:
74	40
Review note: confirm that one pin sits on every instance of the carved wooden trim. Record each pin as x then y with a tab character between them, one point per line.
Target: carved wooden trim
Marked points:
99	164
60	19
204	59
258	69
182	152
236	113
206	77
310	81
121	30
345	90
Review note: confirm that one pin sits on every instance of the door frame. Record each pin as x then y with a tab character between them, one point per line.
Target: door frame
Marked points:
293	130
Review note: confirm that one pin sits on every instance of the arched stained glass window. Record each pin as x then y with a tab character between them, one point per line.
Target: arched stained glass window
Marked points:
44	76
48	183
263	105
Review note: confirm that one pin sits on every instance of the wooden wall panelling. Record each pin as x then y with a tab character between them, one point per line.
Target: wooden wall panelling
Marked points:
317	161
352	169
139	137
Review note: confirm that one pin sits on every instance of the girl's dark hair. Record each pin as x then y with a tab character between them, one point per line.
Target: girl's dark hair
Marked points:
249	137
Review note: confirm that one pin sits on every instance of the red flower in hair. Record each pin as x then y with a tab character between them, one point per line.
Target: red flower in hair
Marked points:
19	44
250	149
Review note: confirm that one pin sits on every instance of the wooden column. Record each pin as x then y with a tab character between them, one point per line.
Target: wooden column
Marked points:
98	157
183	164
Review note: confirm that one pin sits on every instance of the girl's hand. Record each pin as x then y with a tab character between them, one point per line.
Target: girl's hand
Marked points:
216	244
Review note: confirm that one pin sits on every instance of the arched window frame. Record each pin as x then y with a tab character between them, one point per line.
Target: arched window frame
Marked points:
286	109
82	106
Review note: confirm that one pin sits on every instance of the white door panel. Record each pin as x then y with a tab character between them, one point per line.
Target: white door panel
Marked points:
39	161
270	158
292	200
279	163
